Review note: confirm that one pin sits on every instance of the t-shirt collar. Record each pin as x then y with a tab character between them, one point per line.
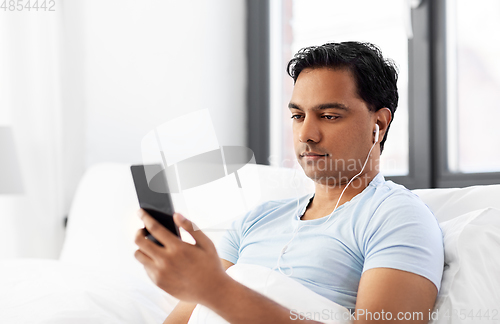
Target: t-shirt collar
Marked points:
375	182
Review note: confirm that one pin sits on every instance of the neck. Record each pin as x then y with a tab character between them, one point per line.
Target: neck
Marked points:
326	197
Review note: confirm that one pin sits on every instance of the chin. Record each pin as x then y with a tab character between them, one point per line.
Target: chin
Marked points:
325	177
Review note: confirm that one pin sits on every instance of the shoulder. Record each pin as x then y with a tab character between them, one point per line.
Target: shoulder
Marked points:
402	233
392	201
395	214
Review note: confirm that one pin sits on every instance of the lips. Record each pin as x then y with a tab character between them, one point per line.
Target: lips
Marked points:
312	154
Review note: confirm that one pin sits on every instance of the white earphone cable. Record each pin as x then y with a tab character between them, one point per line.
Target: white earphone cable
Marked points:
284	249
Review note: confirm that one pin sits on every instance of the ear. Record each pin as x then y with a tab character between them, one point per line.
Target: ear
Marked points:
382	117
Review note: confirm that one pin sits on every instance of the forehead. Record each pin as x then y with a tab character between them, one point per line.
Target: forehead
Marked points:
322	85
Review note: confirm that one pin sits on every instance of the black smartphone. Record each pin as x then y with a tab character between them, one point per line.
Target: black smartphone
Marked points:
154	196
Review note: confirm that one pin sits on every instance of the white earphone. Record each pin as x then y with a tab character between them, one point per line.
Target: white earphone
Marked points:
376	132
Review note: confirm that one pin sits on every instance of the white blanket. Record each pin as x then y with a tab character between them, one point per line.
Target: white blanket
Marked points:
54	292
283	290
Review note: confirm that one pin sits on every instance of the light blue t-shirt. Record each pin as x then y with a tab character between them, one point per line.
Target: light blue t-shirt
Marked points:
385	226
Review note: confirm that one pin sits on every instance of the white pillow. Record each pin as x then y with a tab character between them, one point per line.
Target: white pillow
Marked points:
103	221
471	280
447	203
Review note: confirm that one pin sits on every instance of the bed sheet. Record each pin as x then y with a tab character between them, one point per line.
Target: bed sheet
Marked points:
52	291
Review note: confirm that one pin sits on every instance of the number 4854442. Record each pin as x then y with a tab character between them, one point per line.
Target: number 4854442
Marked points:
28	5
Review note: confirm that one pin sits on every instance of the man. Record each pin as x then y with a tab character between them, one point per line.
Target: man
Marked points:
380	252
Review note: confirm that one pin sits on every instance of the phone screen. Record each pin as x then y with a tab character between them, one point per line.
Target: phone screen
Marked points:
157	202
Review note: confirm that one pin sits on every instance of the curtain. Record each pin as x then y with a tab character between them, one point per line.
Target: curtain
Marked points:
31	224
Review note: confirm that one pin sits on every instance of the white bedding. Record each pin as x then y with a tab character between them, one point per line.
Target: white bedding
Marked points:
81	287
55	292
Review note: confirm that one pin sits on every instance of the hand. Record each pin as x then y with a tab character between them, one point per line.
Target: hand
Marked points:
188	272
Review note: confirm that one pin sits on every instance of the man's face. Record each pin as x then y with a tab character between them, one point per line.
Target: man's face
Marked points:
332	126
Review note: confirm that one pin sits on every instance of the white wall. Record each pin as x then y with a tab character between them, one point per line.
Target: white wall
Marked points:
147	62
87	82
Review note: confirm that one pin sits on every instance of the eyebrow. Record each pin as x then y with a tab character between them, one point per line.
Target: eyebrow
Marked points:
334	105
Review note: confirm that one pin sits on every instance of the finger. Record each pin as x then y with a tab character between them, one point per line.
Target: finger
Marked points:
163	235
143	258
148	247
200	237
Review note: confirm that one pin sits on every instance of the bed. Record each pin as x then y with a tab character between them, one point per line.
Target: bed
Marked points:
97	279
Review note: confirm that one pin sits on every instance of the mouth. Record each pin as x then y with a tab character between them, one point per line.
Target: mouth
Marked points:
312	155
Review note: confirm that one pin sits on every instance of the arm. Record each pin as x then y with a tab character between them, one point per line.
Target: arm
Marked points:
386	295
194	274
182	312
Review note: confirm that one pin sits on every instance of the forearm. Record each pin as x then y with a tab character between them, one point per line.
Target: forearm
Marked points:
193	273
238	304
180	314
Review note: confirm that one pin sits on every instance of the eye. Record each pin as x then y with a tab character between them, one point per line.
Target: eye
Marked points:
330	117
297	117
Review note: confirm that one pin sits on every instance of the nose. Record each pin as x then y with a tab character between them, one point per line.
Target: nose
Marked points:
309	130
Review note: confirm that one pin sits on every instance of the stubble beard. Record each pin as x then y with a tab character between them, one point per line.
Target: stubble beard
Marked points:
336	173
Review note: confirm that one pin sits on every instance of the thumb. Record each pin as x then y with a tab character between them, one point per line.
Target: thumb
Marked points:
200	237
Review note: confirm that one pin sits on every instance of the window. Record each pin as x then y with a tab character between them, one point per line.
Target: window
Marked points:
466	92
295	24
444	133
473	71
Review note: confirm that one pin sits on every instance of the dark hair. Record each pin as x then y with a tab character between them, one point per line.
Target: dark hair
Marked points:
374	75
